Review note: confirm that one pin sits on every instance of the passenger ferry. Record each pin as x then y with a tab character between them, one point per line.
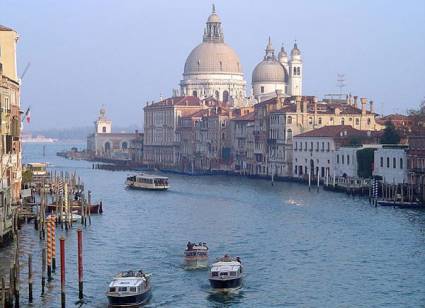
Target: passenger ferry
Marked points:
146	181
226	274
196	255
129	289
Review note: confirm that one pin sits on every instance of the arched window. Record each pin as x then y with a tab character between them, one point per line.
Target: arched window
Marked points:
357	121
368	121
107	147
295	70
217	95
298	71
394	162
225	96
320	121
289	134
342	121
104	129
124	145
195	93
289	120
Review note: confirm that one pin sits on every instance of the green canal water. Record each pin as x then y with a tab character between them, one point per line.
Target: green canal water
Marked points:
299	248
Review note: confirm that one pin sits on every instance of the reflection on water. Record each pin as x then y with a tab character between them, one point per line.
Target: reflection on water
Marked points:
299	248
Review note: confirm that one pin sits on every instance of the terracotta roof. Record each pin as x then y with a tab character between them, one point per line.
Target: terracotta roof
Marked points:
178	101
3	28
248	117
336	131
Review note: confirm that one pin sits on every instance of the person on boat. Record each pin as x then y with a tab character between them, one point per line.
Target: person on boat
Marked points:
238	259
189	245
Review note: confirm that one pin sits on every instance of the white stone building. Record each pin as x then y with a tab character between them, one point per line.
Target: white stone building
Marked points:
390	162
279	74
213	68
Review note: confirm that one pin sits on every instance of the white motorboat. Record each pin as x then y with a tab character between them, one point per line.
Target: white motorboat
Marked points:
129	289
226	274
147	181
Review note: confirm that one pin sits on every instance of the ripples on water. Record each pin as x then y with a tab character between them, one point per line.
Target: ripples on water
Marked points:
299	248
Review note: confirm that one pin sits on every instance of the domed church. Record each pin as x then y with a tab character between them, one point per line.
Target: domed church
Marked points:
277	74
213	68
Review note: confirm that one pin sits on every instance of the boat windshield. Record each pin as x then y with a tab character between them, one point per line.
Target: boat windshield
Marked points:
161	182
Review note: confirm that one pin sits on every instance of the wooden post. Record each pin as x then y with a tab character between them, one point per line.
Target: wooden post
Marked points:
16	278
62	256
43	270
318	180
89	205
80	264
11	284
3	292
53	244
309	178
49	248
30	298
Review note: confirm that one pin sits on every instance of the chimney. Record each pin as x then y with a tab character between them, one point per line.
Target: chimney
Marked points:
372	110
363	100
298	102
315	100
355	101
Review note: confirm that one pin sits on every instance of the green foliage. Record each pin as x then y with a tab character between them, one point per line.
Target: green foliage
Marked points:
365	162
391	135
26	176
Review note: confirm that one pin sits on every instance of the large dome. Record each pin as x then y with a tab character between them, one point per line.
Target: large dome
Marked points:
269	71
212	57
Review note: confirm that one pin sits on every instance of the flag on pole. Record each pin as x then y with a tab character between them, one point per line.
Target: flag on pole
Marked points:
27	115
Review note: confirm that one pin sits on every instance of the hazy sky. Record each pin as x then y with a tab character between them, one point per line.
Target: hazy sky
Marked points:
122	53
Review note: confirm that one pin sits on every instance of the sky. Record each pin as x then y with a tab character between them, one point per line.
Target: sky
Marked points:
122	53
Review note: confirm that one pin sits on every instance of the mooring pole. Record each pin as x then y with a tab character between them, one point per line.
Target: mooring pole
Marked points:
80	264
30	298
49	248
3	292
43	270
62	256
53	244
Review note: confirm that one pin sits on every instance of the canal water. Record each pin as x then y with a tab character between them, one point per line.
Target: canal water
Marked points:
299	248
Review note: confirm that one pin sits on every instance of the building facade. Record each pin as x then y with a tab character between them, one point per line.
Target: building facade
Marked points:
10	132
104	144
390	162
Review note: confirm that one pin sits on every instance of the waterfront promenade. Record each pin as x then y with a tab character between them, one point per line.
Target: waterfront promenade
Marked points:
299	248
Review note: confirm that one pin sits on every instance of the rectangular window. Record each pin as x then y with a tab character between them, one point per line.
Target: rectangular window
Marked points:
122	289
382	162
337	158
348	159
394	162
133	289
388	162
401	163
342	159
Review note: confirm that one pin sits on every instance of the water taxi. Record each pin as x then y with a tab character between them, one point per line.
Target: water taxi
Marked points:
147	181
226	274
129	289
196	255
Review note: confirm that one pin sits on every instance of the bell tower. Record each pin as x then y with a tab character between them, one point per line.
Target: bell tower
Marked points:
295	72
102	124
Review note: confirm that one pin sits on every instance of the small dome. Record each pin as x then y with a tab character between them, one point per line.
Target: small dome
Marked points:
269	71
282	53
212	57
214	18
295	51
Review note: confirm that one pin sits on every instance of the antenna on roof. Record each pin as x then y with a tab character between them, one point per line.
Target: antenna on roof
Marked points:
340	83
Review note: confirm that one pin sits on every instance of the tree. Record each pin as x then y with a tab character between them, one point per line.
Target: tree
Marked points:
390	135
365	159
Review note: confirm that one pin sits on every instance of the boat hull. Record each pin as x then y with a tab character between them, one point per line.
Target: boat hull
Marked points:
226	284
130	300
194	263
131	186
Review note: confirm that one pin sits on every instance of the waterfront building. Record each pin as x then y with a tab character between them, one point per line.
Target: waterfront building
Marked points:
329	151
10	131
391	164
279	73
104	144
213	68
278	119
161	140
242	134
416	164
